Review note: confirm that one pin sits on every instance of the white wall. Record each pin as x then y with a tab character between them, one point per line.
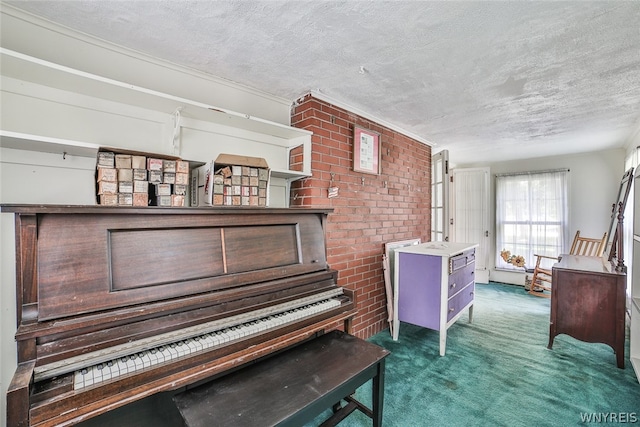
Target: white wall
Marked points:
593	187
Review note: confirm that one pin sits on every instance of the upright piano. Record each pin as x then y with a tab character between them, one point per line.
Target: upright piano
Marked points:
117	304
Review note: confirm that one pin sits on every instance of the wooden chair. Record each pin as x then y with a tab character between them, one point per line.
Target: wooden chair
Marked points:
584	246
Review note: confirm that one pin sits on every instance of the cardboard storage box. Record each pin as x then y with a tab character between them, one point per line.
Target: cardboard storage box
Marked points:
131	178
231	180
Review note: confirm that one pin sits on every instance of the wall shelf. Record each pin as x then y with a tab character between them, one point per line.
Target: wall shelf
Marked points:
198	120
27	142
290	175
35	70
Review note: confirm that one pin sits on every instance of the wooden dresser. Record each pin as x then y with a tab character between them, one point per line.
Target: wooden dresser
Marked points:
435	283
588	302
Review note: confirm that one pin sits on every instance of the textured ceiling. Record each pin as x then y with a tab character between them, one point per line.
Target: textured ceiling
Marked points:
488	81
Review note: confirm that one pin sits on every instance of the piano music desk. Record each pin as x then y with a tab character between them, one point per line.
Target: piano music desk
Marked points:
292	387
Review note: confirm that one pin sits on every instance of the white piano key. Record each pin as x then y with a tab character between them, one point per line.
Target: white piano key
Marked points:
234	333
144	358
242	330
166	353
137	361
115	369
216	338
79	378
196	344
106	371
225	336
181	348
160	355
191	348
97	373
122	365
88	378
255	327
173	351
131	364
207	341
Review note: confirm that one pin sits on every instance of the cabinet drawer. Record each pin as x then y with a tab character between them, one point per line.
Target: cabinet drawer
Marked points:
459	279
458	302
460	261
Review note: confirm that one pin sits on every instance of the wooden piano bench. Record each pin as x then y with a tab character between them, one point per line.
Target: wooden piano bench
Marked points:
293	387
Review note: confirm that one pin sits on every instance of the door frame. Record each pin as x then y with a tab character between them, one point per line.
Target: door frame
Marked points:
440	184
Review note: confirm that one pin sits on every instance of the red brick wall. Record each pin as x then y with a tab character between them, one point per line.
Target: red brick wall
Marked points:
369	209
296	158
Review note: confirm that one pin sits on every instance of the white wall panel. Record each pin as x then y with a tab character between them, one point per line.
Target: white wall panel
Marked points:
77	117
203	145
35	178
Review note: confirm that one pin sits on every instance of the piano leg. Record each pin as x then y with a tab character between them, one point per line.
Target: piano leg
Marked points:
348	325
18	395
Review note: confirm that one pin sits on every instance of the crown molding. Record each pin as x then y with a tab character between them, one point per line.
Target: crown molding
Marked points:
322	97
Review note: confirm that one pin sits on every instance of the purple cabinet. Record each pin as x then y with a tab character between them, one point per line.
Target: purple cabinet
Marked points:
434	284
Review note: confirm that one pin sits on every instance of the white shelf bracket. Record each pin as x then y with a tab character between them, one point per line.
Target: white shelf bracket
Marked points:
177	126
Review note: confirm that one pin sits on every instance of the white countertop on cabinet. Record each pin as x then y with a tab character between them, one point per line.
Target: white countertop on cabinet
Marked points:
438	248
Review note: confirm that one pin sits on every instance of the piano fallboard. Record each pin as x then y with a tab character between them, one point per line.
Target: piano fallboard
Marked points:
97	286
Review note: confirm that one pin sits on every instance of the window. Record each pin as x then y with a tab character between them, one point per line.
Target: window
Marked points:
531	215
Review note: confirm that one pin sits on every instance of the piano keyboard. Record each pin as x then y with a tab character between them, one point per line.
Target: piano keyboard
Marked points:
132	363
76	363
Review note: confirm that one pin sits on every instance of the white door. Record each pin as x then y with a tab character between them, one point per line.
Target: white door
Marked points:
440	197
470	220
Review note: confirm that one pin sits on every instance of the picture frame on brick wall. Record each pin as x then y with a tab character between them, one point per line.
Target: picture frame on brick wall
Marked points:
366	151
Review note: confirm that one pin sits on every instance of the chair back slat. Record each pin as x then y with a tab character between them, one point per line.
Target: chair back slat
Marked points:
541	280
587	246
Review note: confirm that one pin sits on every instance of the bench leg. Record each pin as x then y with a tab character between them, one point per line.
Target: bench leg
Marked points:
378	395
375	413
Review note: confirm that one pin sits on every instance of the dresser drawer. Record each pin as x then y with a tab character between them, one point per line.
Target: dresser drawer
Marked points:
458	302
461	278
460	261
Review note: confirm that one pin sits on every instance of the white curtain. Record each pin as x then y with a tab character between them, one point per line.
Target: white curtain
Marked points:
532	215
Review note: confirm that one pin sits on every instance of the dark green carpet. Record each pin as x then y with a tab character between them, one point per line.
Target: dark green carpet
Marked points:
497	371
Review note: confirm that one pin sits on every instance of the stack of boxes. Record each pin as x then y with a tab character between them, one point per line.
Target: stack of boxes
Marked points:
142	179
168	181
107	178
138	180
234	181
240	186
